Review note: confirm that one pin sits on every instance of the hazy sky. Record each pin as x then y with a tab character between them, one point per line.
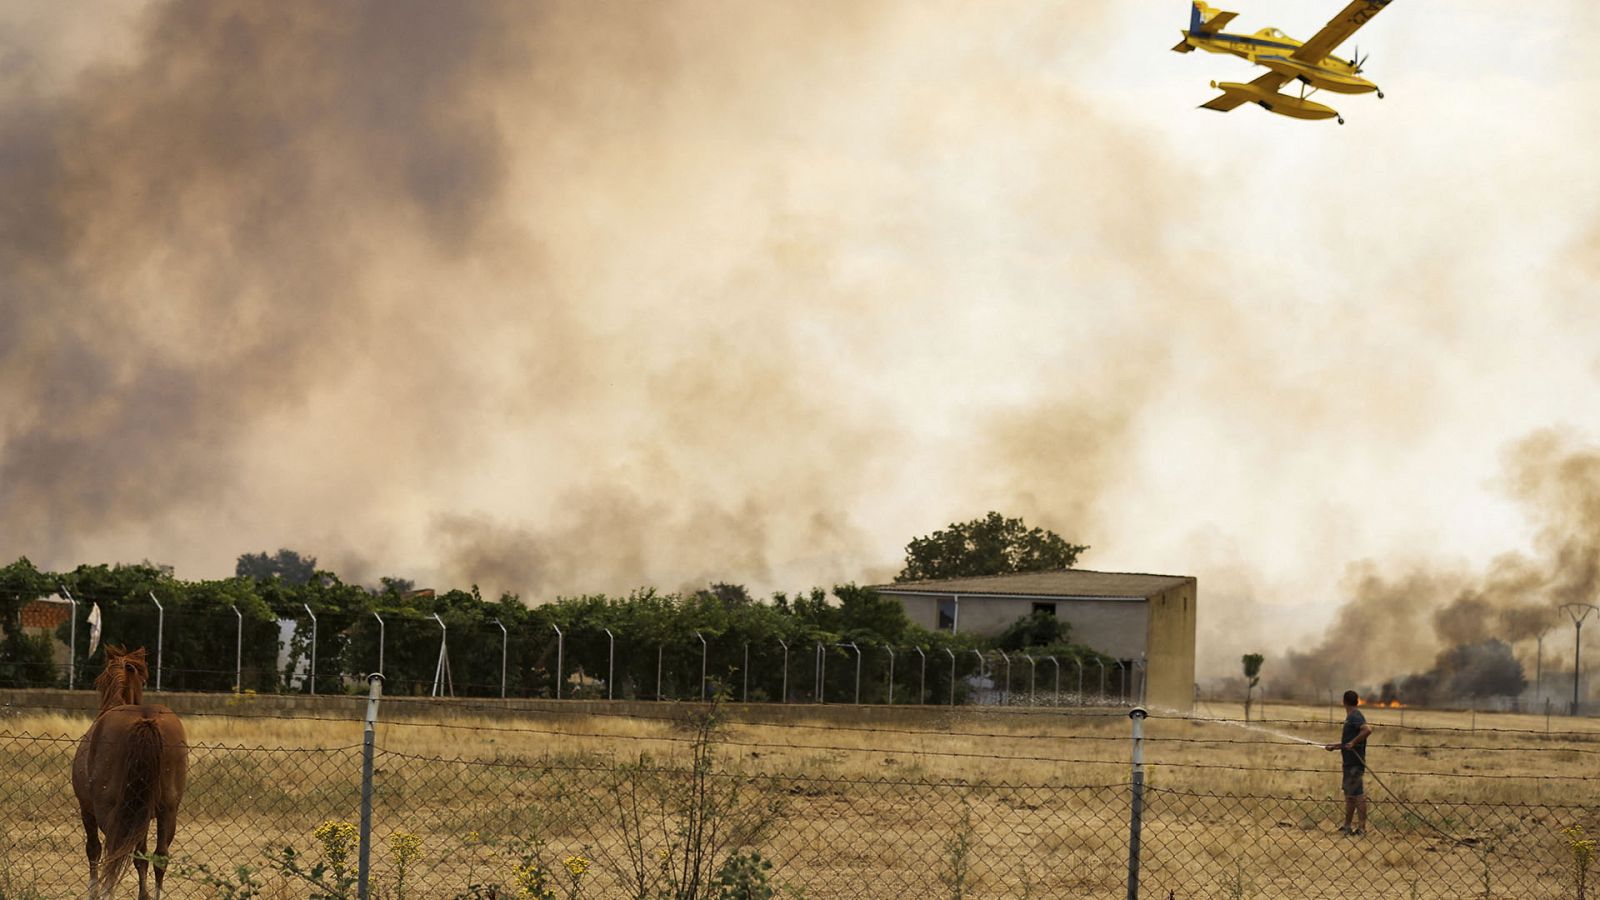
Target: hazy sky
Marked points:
566	297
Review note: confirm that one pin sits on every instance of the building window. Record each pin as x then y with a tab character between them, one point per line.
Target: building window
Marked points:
1048	609
947	615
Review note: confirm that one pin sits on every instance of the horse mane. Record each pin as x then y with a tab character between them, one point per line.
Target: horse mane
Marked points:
122	682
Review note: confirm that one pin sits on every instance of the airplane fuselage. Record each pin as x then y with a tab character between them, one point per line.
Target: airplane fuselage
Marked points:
1275	50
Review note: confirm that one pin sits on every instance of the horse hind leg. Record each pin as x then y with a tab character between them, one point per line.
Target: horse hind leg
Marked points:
166	827
141	864
91	849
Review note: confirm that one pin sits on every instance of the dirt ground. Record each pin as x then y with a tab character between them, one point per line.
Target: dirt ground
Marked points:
978	803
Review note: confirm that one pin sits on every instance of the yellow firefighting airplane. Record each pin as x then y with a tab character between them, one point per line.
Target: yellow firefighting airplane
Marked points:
1311	63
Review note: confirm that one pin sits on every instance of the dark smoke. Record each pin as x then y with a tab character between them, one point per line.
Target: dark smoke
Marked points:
562	297
1464	673
188	241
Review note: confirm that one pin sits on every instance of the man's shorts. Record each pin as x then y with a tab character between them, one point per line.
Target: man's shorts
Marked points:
1352	781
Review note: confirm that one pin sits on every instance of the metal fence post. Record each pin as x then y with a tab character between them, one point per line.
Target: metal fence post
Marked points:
822	674
238	652
72	640
891	673
1005	692
442	682
1033	670
374	693
705	649
1143	668
561	647
161	628
922	678
505	639
980	669
380	640
784	697
611	664
852	646
660	649
745	672
1135	818
952	675
313	678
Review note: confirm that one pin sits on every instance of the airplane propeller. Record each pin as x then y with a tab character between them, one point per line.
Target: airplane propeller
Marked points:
1358	62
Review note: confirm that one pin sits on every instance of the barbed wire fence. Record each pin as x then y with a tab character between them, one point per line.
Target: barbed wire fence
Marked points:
691	823
314	653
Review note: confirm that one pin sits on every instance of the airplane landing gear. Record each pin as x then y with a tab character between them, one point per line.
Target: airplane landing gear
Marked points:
1341	120
1380	95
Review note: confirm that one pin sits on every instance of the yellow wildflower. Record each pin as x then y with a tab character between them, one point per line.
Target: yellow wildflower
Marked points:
337	839
406	848
1583	847
530	881
576	865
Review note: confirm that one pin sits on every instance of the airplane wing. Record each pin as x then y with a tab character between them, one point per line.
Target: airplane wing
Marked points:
1336	32
1229	102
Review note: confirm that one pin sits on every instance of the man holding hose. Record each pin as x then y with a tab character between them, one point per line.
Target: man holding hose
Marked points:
1352	748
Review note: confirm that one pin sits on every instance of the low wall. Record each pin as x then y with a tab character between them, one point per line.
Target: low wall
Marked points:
17	701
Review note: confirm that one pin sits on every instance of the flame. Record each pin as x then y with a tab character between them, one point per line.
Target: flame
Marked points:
1392	704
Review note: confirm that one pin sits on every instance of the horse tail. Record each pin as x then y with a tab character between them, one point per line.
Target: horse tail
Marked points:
140	787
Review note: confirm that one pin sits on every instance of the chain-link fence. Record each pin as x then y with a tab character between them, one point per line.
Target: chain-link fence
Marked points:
485	824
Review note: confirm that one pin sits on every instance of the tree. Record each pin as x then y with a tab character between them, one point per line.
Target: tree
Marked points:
992	545
1040	629
1252	677
25	660
285	564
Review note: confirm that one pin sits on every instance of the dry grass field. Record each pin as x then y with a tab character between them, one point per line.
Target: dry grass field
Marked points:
981	802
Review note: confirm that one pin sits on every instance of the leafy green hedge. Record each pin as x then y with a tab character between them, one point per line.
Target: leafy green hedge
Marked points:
655	637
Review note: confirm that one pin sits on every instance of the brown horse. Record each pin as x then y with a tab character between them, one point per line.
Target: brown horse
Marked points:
131	767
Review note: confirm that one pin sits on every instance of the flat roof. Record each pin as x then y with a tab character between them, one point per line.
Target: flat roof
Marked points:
1053	583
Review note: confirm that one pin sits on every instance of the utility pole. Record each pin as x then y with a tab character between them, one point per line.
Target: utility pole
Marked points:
1578	612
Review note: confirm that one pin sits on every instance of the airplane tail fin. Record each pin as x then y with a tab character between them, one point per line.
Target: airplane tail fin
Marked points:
1203	21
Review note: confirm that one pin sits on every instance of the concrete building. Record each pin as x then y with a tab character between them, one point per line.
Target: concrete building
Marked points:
1148	619
41	618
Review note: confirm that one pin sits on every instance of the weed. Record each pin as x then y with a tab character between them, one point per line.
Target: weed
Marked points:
681	827
405	849
1582	848
743	876
959	854
331	876
1238	886
13	886
240	884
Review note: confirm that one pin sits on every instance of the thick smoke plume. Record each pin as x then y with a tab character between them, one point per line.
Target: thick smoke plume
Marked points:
1472	621
548	297
587	296
1466	672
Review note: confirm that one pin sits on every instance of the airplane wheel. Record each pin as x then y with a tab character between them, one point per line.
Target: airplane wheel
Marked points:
1380	95
1341	120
